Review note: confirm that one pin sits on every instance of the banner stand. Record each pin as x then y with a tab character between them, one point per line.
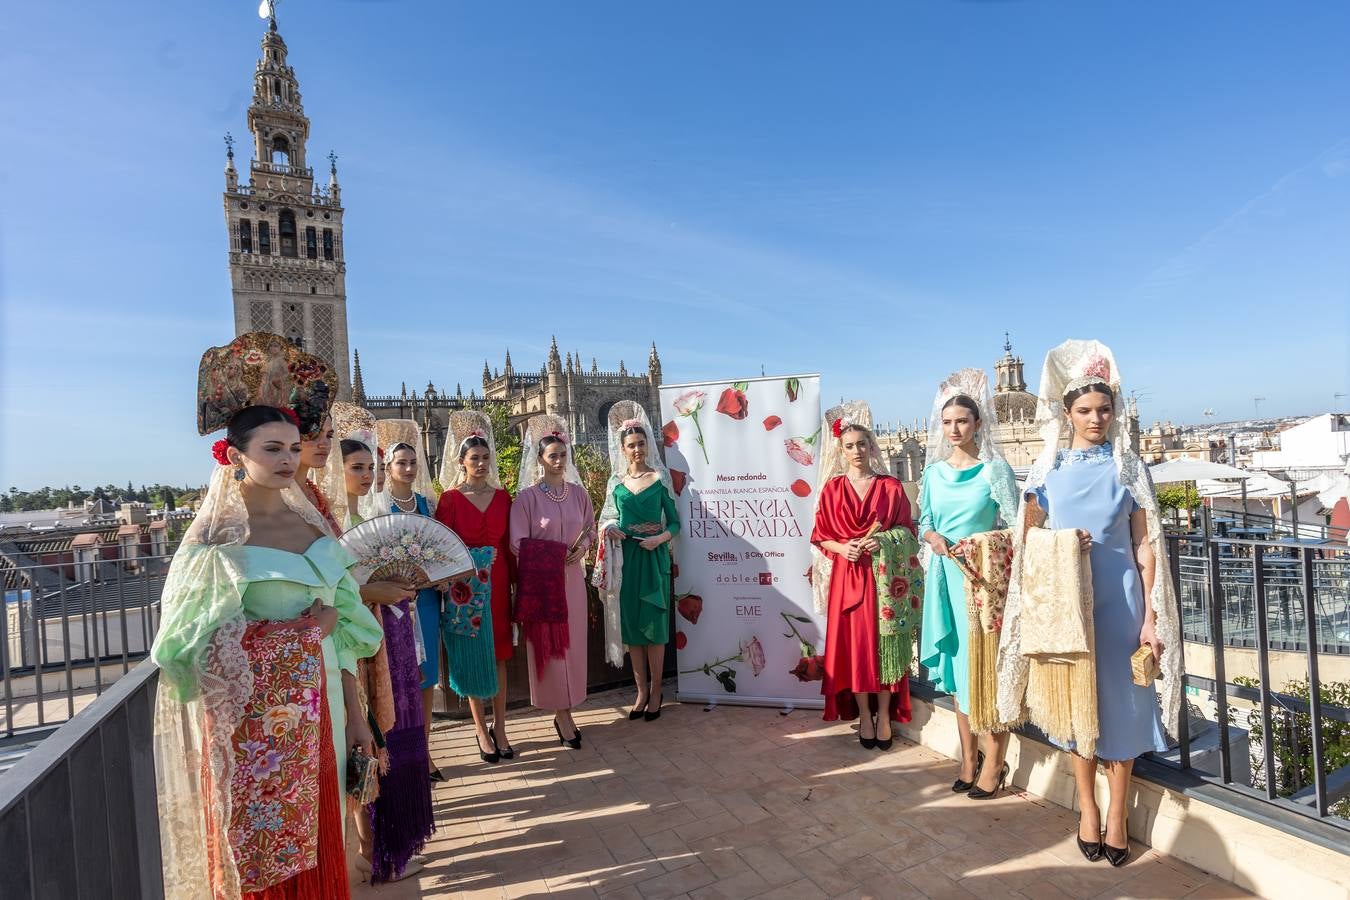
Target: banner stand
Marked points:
743	458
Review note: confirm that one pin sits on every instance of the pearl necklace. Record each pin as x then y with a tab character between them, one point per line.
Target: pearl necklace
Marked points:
567	489
399	503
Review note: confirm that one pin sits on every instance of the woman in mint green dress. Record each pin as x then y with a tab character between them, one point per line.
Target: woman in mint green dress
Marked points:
256	575
638	522
967	488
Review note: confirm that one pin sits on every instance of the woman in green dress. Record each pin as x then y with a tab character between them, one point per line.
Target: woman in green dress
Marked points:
967	488
638	522
246	766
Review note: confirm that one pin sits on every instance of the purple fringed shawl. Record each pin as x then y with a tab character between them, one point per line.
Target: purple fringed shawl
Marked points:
401	817
541	598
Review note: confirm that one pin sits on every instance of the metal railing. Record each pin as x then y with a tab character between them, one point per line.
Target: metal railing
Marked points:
70	627
1281	577
79	818
1281	587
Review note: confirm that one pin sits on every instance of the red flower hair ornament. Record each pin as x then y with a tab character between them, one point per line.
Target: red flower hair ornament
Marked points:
559	435
219	451
840	425
290	414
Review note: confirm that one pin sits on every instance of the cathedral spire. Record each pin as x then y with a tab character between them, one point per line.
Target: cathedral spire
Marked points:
487	374
231	174
509	370
554	360
358	386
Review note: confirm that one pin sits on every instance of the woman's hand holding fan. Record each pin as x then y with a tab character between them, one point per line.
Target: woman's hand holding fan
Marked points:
414	550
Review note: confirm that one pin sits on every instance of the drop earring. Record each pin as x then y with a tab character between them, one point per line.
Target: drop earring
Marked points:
239	473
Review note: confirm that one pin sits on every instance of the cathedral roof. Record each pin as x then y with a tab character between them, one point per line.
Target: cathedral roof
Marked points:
1014	406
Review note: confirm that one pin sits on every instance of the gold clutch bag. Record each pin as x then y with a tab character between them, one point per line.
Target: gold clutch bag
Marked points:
1144	666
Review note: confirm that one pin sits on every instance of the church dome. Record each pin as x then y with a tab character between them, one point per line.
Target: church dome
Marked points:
1014	406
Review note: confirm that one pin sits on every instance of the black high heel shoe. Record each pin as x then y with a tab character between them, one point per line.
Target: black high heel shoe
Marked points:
1116	856
573	742
508	753
492	757
647	714
959	786
1092	851
867	743
978	793
638	711
885	743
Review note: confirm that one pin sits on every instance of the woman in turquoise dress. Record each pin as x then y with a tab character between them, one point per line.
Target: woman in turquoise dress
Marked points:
638	522
255	581
967	488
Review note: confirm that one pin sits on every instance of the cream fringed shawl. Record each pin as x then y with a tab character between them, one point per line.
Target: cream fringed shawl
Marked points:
1057	638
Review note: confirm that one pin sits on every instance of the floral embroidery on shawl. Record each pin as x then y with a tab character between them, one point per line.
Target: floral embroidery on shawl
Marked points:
899	580
986	561
468	598
274	785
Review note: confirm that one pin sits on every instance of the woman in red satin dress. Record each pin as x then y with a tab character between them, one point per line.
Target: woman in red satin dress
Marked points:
851	504
480	513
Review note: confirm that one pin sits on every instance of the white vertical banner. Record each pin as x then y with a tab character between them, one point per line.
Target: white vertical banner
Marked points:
743	457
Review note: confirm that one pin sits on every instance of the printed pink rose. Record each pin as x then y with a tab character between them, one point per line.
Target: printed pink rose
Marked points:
887	613
680	640
801	488
670	433
798	451
772	422
753	653
689	402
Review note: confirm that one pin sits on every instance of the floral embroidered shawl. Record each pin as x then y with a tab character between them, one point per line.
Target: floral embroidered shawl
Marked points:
464	612
899	580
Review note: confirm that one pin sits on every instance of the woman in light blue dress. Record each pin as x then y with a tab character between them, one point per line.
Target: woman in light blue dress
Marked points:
1101	488
967	488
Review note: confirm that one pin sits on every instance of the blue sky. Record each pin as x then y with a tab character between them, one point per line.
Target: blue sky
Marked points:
875	191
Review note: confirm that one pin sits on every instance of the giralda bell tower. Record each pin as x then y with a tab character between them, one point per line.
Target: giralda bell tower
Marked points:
287	273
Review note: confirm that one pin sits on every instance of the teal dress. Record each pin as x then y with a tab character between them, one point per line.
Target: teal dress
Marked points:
644	596
276	585
955	503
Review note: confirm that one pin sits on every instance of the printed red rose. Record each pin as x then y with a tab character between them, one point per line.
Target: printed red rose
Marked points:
690	606
670	433
680	640
887	613
678	480
733	403
460	593
899	586
476	621
772	422
482	575
808	668
914	602
913	562
801	488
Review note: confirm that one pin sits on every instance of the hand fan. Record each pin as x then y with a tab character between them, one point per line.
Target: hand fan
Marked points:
416	550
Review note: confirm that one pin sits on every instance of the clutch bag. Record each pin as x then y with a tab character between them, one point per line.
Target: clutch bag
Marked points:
362	776
1144	666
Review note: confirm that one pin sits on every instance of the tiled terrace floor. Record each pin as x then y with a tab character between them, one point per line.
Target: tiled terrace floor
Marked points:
745	802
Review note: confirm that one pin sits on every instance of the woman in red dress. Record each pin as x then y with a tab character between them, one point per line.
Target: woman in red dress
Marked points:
475	507
856	505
